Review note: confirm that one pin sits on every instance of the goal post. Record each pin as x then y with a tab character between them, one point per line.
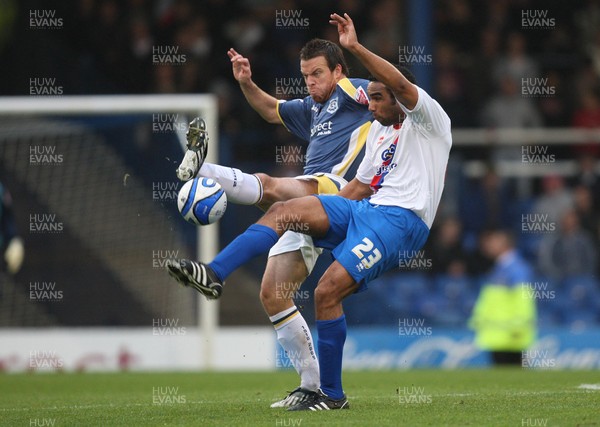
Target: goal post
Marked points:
189	106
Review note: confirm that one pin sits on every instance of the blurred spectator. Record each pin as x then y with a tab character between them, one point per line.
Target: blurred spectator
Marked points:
11	245
509	109
569	252
456	23
588	216
485	203
588	116
449	85
504	316
481	85
588	177
556	199
385	35
444	249
515	64
554	107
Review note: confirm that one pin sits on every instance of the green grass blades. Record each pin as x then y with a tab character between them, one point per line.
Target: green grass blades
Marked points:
498	397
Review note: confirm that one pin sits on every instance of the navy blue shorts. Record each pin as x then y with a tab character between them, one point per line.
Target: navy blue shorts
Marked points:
368	240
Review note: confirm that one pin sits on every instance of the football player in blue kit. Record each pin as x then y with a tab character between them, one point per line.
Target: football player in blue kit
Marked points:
384	213
335	120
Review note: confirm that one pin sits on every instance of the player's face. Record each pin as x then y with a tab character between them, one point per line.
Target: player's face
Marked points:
319	79
383	105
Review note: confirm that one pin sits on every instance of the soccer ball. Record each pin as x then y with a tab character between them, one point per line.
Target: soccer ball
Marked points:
202	201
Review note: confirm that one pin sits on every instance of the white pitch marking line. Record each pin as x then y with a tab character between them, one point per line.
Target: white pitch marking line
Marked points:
590	386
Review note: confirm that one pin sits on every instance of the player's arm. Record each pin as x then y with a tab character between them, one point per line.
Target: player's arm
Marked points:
263	103
356	190
381	69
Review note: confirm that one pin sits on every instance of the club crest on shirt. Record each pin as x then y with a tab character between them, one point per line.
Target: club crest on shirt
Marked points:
333	105
361	96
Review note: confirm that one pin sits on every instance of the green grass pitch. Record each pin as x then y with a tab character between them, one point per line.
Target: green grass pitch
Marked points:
496	397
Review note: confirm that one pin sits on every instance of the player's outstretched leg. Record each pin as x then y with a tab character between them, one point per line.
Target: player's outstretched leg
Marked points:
197	144
196	275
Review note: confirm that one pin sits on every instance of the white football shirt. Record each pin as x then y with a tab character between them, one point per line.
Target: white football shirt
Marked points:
406	164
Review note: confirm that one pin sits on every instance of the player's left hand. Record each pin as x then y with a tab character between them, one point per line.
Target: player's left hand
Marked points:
345	28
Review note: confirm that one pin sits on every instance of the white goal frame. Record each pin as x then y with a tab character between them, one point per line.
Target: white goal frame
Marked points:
203	105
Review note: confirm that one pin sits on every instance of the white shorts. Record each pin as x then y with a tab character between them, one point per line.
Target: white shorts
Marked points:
292	241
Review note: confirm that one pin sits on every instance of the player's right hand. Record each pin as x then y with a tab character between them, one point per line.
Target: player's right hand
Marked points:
241	66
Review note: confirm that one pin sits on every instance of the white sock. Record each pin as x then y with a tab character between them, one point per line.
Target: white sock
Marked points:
295	338
240	187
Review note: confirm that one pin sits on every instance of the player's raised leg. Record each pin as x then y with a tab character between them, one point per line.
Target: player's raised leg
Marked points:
306	212
241	188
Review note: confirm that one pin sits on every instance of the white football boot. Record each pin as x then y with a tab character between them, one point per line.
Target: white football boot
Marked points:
197	144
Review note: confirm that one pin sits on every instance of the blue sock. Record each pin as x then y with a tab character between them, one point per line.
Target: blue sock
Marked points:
256	240
332	336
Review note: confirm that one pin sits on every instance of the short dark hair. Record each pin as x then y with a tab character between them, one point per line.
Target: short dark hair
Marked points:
332	52
405	72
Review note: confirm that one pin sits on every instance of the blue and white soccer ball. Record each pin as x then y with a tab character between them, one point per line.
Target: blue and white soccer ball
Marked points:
202	201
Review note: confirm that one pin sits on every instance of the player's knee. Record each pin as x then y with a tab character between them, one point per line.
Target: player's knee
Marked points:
278	211
325	293
267	293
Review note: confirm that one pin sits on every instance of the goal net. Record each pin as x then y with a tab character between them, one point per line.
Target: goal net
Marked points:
94	196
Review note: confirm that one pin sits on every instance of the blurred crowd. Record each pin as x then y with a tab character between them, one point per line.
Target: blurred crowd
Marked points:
484	59
480	53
